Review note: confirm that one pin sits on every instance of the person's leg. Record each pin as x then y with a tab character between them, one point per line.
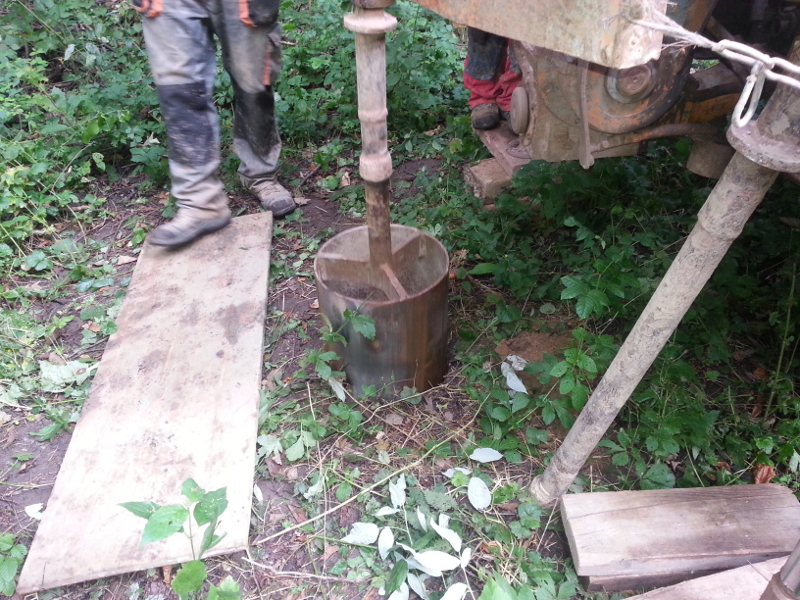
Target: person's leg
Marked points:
485	53
507	82
250	38
182	59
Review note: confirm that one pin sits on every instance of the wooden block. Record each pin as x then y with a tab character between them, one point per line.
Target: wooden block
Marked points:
639	539
487	179
743	583
175	396
505	147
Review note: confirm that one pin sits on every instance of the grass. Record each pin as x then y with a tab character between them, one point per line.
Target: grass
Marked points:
565	251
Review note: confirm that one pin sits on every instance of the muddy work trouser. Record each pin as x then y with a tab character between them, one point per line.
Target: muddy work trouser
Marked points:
179	37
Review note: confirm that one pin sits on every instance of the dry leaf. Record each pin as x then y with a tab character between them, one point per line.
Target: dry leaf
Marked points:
166	570
125	260
345	179
55	359
329	551
298	513
12	435
764	473
724	465
761	374
393	419
758	407
93	327
301	201
314	304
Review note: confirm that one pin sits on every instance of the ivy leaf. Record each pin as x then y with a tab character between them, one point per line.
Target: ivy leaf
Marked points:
228	590
268	445
485	455
192	491
386	511
401	593
397	491
620	459
437	560
396	576
211	506
465	556
361	323
209	538
163	523
421	518
574	287
512	379
592	302
337	388
498	589
478	493
189	579
658	477
483	269
296	451
443	529
457	591
416	584
385	542
362	533
144	510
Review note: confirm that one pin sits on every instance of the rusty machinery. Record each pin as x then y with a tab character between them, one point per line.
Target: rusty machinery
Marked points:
572	107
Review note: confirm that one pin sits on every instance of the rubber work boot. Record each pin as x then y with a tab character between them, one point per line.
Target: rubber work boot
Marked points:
273	196
185	228
485	116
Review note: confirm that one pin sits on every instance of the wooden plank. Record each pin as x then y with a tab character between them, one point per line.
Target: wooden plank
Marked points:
175	396
507	148
637	539
743	583
587	29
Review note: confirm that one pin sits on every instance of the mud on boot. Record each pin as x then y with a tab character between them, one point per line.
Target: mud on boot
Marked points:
185	228
485	116
273	196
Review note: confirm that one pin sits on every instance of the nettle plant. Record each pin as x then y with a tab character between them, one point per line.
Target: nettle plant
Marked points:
200	508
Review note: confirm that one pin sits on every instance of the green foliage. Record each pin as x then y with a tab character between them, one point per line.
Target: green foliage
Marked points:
77	102
11	556
200	508
317	91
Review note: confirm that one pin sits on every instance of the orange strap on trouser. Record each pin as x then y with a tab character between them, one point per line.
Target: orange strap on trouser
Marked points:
181	48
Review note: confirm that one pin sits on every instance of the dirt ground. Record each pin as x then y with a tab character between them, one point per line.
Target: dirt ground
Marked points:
296	565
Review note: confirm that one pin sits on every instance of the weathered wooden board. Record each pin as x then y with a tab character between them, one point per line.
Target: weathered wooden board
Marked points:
588	29
641	539
743	583
175	396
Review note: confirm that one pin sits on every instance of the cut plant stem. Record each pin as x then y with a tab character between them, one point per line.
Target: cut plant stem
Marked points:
784	342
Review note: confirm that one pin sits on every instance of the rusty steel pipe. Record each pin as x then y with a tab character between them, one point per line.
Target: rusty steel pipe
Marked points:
772	144
785	584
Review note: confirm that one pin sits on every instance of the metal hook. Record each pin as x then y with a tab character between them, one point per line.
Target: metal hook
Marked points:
752	91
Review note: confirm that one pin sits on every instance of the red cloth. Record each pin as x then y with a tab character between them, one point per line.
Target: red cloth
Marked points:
494	91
